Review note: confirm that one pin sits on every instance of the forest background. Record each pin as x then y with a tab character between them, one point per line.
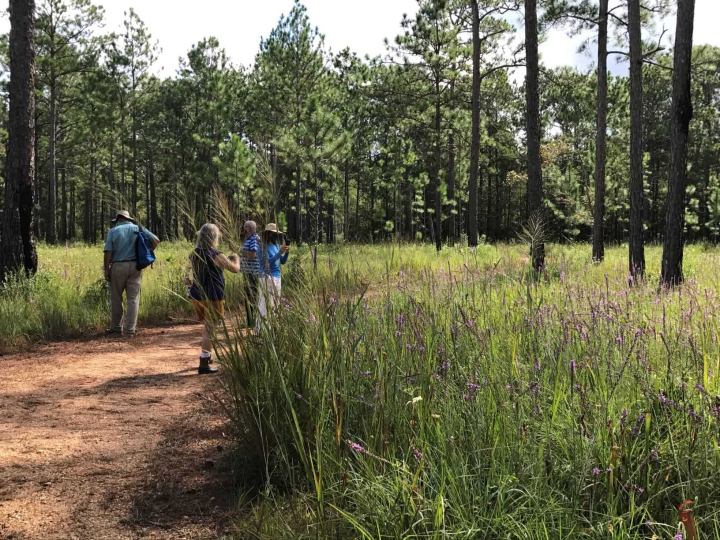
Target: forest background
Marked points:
334	145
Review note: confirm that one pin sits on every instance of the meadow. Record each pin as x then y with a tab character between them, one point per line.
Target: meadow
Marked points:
400	393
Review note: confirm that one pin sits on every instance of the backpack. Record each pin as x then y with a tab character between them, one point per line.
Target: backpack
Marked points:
144	255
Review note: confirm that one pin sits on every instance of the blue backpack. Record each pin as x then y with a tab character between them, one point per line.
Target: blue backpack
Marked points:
144	255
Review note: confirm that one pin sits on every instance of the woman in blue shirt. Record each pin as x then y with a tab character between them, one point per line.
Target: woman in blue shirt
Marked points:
274	255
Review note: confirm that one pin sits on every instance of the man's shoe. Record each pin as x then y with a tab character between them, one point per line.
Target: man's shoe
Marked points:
113	331
205	368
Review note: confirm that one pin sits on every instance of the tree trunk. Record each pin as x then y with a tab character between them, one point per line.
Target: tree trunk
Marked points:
51	226
452	210
535	188
681	113
357	209
408	196
346	201
152	196
598	238
654	165
63	209
134	167
437	218
472	229
71	217
488	209
298	205
707	159
17	247
637	250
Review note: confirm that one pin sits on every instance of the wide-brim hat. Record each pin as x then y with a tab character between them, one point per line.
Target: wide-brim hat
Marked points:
272	227
124	214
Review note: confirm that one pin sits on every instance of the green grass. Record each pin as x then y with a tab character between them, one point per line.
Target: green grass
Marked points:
69	297
459	397
401	393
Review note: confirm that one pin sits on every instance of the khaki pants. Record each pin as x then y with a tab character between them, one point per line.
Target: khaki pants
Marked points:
269	297
125	277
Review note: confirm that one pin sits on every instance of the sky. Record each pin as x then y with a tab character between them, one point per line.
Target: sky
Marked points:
361	25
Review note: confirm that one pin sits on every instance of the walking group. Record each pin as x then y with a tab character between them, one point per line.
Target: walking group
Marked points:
260	261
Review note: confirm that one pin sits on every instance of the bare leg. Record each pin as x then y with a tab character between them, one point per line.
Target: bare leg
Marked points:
205	343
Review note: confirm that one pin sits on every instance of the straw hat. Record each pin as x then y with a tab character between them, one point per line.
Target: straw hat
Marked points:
123	214
272	227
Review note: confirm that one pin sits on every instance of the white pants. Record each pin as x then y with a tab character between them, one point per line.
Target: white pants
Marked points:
268	297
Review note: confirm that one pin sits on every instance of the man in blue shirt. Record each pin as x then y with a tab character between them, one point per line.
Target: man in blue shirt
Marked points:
121	271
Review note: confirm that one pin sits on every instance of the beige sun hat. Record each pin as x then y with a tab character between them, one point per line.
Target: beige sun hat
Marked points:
272	227
123	214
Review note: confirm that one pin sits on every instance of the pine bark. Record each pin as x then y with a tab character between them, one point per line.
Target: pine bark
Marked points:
535	187
680	116
475	129
636	248
598	239
51	226
452	210
435	186
17	247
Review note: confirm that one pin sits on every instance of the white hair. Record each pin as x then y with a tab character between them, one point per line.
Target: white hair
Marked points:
251	224
208	236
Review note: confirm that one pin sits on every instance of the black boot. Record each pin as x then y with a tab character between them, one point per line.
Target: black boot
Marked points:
204	367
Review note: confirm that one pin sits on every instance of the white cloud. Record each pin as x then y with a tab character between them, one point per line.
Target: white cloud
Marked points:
240	24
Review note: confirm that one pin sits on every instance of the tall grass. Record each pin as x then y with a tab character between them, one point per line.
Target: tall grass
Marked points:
397	394
69	297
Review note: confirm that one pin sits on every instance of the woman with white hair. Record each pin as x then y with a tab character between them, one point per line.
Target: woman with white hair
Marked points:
250	264
207	290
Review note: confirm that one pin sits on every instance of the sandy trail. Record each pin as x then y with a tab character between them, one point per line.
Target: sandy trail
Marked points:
112	438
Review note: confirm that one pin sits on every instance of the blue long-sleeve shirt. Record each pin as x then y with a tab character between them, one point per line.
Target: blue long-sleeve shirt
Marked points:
273	260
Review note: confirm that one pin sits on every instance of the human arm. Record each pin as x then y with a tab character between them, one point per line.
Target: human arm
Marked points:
107	255
250	248
272	258
107	264
154	240
231	263
285	251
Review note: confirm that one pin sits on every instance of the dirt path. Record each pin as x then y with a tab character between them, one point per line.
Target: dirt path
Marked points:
112	438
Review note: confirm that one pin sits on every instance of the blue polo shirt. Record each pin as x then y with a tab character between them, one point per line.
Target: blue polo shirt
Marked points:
120	240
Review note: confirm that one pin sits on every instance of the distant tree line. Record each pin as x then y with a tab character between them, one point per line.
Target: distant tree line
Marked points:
435	141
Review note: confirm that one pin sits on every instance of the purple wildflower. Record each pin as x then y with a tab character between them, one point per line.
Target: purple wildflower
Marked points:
355	447
417	454
664	400
678	536
635	431
596	471
715	409
472	389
